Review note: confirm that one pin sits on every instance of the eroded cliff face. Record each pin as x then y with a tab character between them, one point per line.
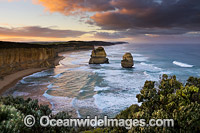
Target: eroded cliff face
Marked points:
16	59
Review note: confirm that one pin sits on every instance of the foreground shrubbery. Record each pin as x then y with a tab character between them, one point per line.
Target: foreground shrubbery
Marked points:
13	111
170	100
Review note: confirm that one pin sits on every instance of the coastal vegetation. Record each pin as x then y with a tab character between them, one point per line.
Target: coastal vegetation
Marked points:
13	111
170	99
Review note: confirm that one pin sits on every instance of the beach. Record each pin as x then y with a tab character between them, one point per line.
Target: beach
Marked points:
10	80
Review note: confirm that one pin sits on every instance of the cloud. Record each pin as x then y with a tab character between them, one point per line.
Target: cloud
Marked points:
134	16
106	35
149	15
69	7
37	31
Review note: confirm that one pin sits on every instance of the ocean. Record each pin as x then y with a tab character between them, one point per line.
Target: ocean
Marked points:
107	89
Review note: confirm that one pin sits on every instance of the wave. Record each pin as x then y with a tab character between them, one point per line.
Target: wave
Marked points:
44	73
23	81
140	58
150	67
58	75
112	103
182	64
145	73
18	93
97	88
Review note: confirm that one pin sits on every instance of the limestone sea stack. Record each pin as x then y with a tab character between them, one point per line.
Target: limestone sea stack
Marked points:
127	61
98	56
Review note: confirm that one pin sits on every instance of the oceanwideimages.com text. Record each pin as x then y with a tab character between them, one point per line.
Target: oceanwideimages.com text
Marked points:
45	121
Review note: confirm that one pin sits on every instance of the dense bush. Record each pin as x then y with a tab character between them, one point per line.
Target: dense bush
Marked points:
170	100
9	117
14	110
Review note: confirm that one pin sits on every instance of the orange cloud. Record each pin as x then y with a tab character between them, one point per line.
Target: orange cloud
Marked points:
70	7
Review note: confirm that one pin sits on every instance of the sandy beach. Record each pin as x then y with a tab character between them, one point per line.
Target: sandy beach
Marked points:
10	80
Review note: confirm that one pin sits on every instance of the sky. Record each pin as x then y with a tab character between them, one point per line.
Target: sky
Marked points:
140	21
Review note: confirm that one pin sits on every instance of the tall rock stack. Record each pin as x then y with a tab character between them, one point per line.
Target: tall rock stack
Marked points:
127	61
98	56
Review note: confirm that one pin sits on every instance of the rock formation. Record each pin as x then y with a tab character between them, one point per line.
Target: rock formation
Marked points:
127	61
98	56
12	60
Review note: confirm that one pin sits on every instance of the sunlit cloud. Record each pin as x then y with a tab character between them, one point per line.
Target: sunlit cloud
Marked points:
142	16
71	7
151	35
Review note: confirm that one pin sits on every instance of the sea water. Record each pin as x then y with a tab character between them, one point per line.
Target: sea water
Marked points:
107	89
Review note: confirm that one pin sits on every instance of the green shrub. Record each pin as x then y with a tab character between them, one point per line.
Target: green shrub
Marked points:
14	110
11	120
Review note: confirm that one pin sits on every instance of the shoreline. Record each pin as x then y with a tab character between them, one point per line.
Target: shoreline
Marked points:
10	80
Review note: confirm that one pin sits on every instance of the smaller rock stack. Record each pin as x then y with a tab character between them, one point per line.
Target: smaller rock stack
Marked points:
127	61
98	56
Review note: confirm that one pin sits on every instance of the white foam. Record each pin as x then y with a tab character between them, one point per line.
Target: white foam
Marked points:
145	73
52	87
76	103
165	72
97	88
36	83
58	75
59	103
31	82
81	91
182	64
140	58
23	81
147	67
110	102
17	93
88	103
123	78
137	55
79	115
40	74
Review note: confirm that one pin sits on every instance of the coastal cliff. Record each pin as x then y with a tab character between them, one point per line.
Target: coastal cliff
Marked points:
16	59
